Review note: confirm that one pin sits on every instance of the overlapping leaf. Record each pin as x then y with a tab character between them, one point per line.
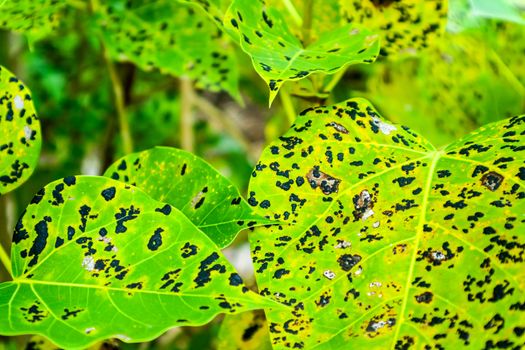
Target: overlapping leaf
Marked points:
278	55
20	140
191	185
176	38
391	243
405	26
35	18
94	258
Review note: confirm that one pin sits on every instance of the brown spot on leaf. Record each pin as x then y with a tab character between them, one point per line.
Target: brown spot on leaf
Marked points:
325	182
492	180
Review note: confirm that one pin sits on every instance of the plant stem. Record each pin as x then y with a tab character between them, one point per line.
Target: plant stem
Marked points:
4	230
335	79
307	21
504	69
288	106
221	121
125	134
187	137
293	12
5	259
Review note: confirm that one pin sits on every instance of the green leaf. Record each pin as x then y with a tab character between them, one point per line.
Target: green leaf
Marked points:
390	242
176	38
20	129
191	185
34	18
406	26
94	258
245	331
279	56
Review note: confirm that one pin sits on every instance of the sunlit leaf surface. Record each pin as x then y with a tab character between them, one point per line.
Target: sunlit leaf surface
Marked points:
94	258
191	185
20	138
391	243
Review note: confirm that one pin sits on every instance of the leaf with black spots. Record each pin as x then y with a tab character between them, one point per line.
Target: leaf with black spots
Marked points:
405	26
191	185
179	39
279	56
86	268
414	246
20	129
34	18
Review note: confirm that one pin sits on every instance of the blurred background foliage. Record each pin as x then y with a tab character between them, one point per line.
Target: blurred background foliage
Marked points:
77	65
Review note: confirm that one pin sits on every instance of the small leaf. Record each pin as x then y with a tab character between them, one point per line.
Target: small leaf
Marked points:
94	258
499	9
279	56
34	18
245	331
191	185
20	129
391	243
178	39
406	26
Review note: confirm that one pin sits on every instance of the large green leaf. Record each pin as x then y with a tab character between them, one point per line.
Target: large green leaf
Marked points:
93	258
176	38
34	18
20	140
191	185
278	55
390	242
405	26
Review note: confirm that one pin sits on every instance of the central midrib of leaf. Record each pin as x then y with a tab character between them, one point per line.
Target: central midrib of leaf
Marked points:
436	156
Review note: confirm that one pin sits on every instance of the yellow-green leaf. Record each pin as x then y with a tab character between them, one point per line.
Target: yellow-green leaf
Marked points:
20	140
94	258
391	243
405	26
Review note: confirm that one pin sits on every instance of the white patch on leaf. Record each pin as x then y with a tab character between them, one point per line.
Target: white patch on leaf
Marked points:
19	102
385	128
88	263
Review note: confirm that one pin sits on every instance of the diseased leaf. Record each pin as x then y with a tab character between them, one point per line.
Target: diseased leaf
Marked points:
34	18
245	331
191	185
391	243
178	39
406	26
279	56
20	140
93	258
